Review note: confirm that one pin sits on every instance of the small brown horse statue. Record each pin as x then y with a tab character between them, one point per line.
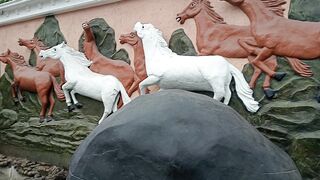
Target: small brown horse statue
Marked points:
52	66
29	79
215	37
139	58
103	65
277	35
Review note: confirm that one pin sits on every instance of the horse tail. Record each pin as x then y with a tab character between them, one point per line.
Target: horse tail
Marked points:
243	90
124	95
57	89
300	67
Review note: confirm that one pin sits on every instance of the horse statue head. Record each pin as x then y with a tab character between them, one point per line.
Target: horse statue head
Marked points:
32	43
197	6
8	57
152	39
60	50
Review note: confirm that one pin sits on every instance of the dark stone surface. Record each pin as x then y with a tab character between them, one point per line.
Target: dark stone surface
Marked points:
181	44
179	135
105	40
292	119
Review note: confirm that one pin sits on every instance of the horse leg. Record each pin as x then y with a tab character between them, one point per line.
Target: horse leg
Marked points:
227	90
256	74
14	93
44	103
135	85
75	101
250	45
272	64
109	101
258	61
52	103
218	88
150	80
65	89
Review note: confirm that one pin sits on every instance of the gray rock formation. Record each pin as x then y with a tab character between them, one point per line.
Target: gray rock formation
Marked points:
177	135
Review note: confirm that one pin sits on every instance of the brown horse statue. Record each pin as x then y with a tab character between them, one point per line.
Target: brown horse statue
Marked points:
52	66
103	65
29	79
215	37
139	59
277	35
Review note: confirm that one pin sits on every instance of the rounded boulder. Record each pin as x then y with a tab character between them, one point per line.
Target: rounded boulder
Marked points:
178	135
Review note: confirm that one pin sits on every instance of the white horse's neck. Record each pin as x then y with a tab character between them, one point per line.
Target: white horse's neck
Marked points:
71	65
155	46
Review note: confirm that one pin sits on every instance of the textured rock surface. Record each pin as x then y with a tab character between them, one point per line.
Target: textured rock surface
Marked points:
105	40
181	44
154	137
292	119
49	33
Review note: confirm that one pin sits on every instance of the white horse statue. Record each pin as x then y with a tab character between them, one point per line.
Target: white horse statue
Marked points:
200	73
80	79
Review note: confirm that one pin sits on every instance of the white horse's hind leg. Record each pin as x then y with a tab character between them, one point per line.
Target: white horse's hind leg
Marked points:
218	89
227	97
109	101
65	89
228	94
151	80
74	99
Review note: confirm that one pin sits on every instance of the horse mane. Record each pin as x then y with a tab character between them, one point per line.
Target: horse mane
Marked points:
216	18
161	43
81	58
18	59
275	6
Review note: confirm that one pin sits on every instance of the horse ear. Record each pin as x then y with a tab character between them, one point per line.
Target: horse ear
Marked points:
8	51
63	44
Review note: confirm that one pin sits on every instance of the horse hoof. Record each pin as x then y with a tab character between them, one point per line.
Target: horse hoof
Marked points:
71	108
23	99
279	76
78	105
16	101
42	119
270	93
49	118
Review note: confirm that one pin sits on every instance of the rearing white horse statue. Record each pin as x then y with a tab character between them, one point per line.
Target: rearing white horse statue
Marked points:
80	79
200	73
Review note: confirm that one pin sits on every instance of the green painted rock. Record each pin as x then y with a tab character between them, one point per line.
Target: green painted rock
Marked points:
49	33
292	119
105	40
181	44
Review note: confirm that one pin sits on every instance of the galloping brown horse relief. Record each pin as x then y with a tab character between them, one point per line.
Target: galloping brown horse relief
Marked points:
139	58
29	79
277	35
103	65
52	66
215	37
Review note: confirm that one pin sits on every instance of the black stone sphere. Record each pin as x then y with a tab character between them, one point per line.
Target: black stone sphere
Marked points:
179	135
